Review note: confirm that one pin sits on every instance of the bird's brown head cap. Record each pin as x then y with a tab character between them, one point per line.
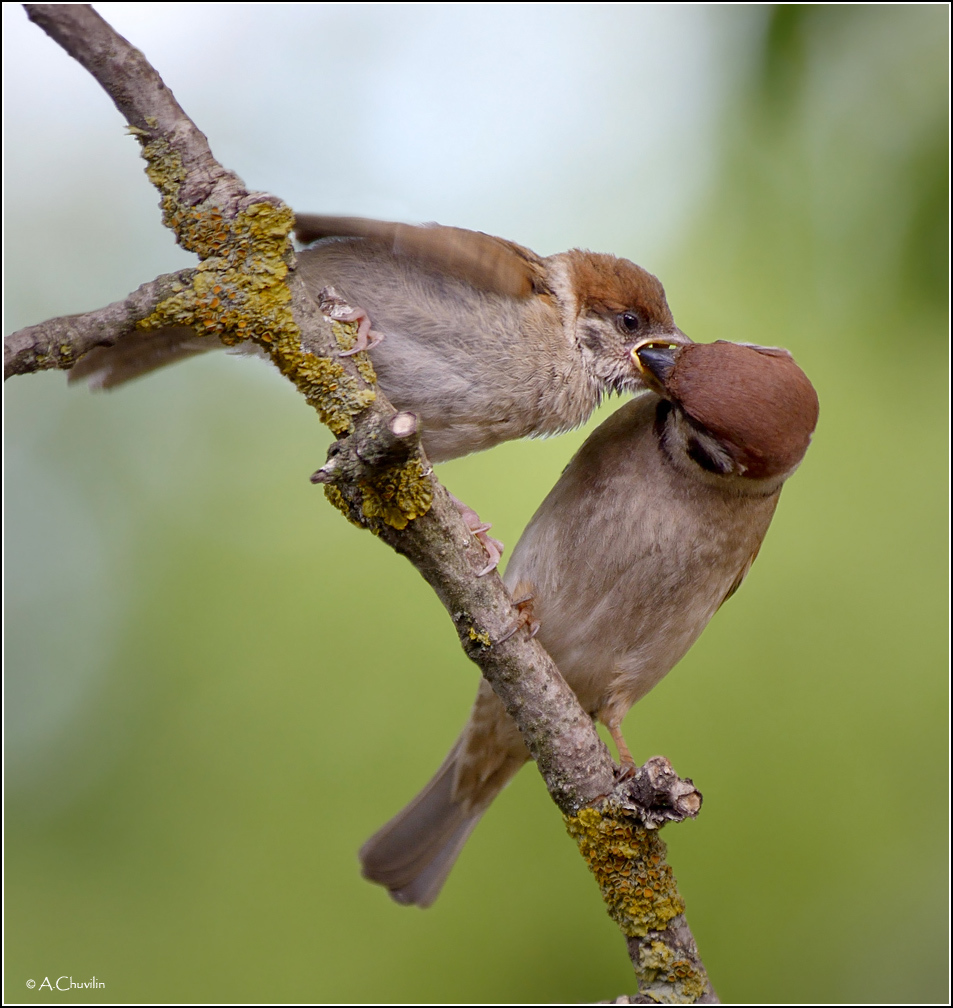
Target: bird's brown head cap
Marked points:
607	285
754	400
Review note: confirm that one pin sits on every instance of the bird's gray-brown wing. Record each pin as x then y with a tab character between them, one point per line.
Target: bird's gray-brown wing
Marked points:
488	263
137	354
742	574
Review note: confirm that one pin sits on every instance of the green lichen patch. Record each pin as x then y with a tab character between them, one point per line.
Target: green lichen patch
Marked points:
337	499
398	494
239	290
629	864
345	334
665	978
336	396
479	635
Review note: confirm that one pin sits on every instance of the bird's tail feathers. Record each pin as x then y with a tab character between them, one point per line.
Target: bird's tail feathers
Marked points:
413	853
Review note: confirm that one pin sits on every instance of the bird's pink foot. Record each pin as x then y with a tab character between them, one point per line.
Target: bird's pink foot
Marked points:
492	547
334	307
627	764
524	618
366	336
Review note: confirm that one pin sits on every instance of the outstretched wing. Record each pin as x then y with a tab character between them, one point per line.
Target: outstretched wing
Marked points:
137	354
488	263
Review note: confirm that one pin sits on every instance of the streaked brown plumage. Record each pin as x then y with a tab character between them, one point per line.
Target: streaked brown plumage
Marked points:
652	526
484	340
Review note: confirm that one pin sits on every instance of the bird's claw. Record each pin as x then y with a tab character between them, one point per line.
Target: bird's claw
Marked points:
625	770
366	336
523	606
336	309
492	547
478	529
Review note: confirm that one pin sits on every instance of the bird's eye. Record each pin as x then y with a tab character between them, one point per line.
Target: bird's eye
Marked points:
629	322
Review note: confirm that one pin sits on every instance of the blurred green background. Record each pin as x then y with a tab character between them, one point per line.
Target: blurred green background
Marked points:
217	688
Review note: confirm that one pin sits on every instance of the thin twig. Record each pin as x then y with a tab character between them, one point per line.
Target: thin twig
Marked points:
140	94
60	342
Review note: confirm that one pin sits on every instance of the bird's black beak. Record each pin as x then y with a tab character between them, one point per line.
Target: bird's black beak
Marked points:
655	360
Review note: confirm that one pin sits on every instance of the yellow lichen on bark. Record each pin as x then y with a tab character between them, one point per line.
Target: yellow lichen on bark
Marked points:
639	889
629	864
480	636
665	978
239	290
398	494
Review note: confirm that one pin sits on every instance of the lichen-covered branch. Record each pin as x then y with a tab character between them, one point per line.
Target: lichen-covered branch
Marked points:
60	342
619	840
245	288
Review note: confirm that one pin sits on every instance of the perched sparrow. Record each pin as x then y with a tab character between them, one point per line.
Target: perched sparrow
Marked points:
484	340
651	527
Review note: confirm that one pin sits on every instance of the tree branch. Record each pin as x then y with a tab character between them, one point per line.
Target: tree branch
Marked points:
245	287
60	342
141	96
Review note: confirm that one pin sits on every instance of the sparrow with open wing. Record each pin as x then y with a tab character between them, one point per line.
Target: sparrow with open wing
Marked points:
482	339
651	527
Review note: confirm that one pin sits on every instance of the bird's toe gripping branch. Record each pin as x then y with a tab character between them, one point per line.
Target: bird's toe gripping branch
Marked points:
336	309
523	604
479	528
